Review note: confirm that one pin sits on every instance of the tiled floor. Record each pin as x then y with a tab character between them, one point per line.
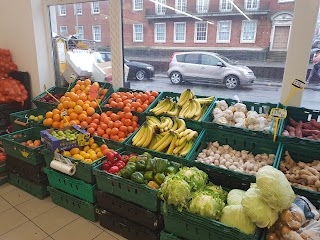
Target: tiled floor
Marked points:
24	217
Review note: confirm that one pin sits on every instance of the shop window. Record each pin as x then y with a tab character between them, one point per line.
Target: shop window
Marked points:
159	32
225	5
224	32
181	5
80	32
62	10
78	9
202	6
137	5
160	9
95	8
179	32
63	30
252	4
201	32
248	31
96	33
137	32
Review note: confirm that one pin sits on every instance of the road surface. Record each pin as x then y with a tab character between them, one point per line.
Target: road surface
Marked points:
255	93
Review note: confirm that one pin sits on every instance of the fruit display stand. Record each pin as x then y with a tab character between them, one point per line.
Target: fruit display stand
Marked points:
168	236
239	142
27	118
3	178
2	167
46	102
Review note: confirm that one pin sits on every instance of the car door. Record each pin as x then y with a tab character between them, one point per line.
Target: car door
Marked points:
190	66
208	70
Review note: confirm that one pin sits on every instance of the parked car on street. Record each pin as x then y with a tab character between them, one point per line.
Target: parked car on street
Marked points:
137	70
208	67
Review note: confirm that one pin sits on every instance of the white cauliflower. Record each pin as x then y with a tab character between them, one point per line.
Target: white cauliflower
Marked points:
239	116
221	120
222	105
240	107
252	120
228	114
252	113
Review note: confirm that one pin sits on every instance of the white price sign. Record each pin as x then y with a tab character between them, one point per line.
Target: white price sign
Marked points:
298	84
64	113
278	113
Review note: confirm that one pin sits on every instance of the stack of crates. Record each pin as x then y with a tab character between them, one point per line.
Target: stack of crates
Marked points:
3	171
25	164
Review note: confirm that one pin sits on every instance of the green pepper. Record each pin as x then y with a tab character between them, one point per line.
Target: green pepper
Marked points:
137	177
148	175
127	171
176	165
160	165
170	170
132	165
150	163
132	159
147	154
141	165
159	178
142	157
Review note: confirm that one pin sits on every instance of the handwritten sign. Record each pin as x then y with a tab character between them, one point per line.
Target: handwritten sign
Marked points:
278	113
93	91
298	84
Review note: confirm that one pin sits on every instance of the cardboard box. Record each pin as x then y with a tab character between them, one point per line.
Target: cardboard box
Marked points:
55	144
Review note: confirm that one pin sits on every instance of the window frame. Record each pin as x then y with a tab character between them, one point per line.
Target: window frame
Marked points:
134	6
242	31
75	9
196	24
82	27
204	7
59	9
155	33
93	33
285	1
92	7
158	7
184	6
218	35
64	26
252	1
134	37
174	32
226	9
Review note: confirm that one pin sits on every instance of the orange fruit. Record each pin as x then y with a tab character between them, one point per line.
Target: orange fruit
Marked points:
91	130
87	82
55	124
123	129
80	102
108	131
83	124
62	99
74	97
103	126
135	118
56	117
78	109
117	124
89	120
60	106
96	121
73	122
126	109
113	104
72	104
110	124
144	106
114	131
93	125
65	104
55	111
130	129
48	121
128	122
82	117
69	111
121	135
93	104
85	106
151	99
73	116
96	116
114	137
49	114
139	109
128	115
100	132
90	111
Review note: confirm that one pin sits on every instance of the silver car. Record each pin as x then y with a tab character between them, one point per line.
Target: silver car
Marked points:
208	67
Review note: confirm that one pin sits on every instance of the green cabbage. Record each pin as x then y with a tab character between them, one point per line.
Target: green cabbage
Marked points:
174	190
196	178
234	216
207	204
275	188
222	193
235	197
257	209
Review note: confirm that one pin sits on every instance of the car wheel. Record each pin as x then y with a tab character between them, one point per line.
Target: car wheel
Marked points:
232	82
176	77
140	75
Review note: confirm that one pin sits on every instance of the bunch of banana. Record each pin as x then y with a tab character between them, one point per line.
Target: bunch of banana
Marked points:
164	105
144	136
193	109
185	96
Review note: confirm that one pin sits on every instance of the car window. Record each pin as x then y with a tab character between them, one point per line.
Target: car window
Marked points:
192	58
109	56
180	57
209	60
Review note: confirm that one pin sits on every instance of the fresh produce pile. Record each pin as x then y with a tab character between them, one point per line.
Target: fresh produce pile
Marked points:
36	118
228	158
237	115
2	155
48	98
167	135
12	91
310	130
135	101
142	169
31	143
68	134
77	104
6	65
116	126
188	106
300	174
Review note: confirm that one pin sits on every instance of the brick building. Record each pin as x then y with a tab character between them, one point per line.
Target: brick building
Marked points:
241	28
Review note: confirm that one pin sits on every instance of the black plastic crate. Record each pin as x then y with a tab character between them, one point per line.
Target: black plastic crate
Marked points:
125	227
130	211
33	173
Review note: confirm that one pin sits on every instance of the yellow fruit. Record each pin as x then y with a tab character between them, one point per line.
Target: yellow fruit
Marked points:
99	154
86	148
97	150
66	153
94	146
40	117
87	160
87	155
77	157
91	141
91	151
74	151
93	156
83	153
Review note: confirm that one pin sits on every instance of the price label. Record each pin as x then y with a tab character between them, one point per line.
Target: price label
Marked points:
93	91
64	113
298	84
278	113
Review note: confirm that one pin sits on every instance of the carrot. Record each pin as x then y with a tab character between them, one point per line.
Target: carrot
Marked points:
308	132
315	123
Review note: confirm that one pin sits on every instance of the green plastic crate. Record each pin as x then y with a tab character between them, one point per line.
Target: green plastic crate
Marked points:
73	204
84	170
37	190
251	106
191	125
2	167
14	148
70	185
127	189
3	178
176	96
23	116
168	236
130	90
45	105
254	144
191	226
306	154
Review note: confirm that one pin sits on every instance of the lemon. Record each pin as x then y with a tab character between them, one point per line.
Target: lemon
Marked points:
87	160
87	156
83	153
40	117
74	151
99	154
77	157
93	156
66	153
97	150
86	148
94	146
91	141
91	151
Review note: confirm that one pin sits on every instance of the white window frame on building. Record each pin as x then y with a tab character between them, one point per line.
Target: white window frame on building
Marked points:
160	9
251	4
158	34
202	6
244	22
94	38
181	5
80	32
199	28
218	31
63	32
175	32
95	8
137	5
77	8
225	5
285	1
135	33
62	10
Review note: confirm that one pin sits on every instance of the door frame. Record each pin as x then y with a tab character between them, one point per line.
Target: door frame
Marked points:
280	19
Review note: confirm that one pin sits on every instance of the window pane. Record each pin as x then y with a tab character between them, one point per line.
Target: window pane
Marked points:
224	30
96	33
201	32
208	60
160	9
181	5
202	6
138	5
95	8
160	32
180	31
249	30
192	58
138	33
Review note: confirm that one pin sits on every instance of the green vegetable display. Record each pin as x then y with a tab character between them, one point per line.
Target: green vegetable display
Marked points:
148	175
196	178
137	177
141	165
160	165
159	178
127	171
149	164
235	197
218	189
